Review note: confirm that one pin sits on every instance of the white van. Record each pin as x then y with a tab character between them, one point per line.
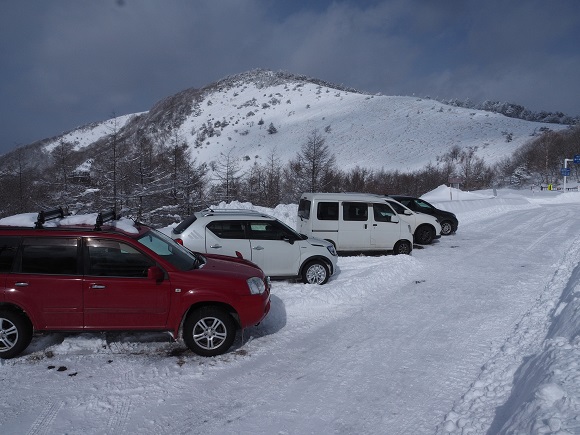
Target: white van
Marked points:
354	222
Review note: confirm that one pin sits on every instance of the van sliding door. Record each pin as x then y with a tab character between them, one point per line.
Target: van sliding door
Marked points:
355	231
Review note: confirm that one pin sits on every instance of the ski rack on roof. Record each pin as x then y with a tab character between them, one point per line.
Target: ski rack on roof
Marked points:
225	211
48	215
59	213
107	216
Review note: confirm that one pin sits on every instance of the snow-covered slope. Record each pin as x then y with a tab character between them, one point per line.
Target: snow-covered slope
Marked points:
373	131
475	334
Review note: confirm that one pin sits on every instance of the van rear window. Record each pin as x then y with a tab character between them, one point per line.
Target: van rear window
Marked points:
327	211
304	209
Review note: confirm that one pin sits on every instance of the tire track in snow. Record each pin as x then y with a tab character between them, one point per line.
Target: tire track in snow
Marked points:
42	425
120	414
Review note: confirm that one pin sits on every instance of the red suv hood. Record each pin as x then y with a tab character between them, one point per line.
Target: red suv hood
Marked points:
233	265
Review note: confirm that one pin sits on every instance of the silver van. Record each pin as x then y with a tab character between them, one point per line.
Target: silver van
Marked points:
354	222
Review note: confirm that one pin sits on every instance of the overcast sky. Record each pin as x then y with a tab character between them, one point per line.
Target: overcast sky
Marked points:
66	63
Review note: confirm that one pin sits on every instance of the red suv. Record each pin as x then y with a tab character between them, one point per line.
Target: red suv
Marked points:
63	275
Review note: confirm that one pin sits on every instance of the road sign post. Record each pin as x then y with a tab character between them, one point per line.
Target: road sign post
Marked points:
565	171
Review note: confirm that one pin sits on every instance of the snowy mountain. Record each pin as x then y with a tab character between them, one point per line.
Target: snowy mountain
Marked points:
254	114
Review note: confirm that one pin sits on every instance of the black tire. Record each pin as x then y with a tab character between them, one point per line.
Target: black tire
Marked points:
209	331
446	228
315	272
402	247
424	235
15	333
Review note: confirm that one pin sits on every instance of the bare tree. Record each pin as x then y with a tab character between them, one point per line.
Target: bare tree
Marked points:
226	172
313	169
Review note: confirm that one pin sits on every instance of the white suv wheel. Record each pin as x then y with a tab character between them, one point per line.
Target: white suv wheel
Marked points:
315	272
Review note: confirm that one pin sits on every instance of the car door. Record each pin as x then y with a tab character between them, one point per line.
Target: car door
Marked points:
226	237
117	292
8	249
355	227
48	281
274	248
405	213
386	227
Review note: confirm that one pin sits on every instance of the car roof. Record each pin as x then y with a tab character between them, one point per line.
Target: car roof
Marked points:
341	196
58	221
71	230
208	215
403	196
233	213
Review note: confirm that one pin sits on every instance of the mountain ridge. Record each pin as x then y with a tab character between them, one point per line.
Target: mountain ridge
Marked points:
232	116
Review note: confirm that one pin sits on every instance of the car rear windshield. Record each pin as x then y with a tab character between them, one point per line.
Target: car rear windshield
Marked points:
184	224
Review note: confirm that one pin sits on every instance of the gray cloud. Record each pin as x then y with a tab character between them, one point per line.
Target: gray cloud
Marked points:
66	63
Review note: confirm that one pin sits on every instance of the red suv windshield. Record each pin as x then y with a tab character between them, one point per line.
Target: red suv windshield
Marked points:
170	251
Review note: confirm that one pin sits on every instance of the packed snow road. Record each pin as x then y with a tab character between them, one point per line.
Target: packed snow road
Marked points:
390	345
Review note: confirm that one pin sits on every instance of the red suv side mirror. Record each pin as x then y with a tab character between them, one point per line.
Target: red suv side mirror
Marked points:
155	273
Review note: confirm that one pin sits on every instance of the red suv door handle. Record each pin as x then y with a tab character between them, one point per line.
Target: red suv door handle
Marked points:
21	284
97	286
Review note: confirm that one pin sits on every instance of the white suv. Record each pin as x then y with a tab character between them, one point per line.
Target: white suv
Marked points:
279	250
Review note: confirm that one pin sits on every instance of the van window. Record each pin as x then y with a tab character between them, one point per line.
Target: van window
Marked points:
355	211
327	211
304	209
382	212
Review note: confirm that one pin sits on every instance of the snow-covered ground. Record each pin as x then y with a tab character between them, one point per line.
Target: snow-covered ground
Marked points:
477	333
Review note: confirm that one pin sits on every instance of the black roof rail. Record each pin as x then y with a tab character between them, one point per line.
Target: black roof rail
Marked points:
106	216
225	211
44	216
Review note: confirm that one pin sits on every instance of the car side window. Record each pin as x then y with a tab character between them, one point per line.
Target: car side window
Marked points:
107	257
422	204
227	229
304	209
382	212
327	211
49	255
8	249
398	207
268	230
355	211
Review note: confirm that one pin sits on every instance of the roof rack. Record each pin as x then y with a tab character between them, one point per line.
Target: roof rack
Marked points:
107	216
210	211
48	215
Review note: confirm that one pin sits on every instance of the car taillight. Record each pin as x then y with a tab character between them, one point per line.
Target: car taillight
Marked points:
179	241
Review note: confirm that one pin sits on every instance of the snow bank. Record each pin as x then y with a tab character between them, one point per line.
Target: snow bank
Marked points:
545	389
546	393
